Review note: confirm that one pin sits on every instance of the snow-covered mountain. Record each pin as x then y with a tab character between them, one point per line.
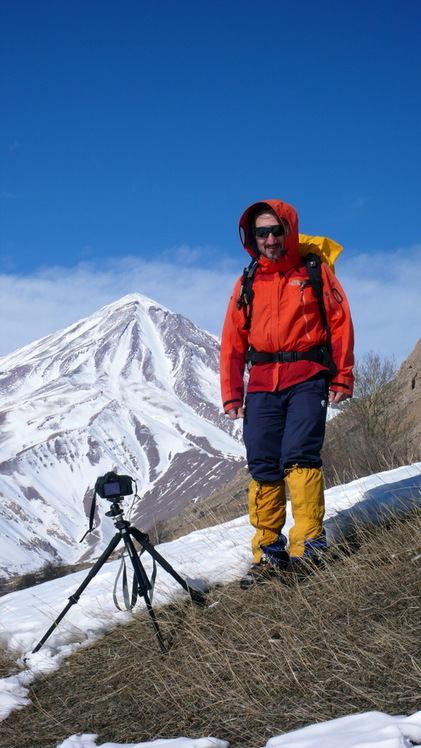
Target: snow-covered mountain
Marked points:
132	388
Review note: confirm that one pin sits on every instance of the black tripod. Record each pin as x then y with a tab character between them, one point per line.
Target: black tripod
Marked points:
125	533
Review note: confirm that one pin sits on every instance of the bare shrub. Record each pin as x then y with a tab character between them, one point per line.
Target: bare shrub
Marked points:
50	570
369	404
367	436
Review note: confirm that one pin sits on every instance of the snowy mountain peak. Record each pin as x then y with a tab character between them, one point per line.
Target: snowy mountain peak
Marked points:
133	387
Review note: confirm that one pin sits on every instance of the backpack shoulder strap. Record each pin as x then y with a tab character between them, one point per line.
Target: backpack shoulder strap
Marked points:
314	270
313	265
245	297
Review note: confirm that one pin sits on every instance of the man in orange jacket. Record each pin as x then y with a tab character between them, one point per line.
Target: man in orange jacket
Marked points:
285	341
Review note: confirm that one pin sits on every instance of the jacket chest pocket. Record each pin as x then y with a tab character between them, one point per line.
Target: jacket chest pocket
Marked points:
304	293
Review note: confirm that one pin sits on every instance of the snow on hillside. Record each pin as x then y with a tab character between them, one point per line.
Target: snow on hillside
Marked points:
369	730
217	555
132	388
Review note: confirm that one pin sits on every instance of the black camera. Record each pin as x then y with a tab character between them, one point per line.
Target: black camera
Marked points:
112	486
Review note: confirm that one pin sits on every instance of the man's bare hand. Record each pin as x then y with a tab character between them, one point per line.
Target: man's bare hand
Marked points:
235	413
337	397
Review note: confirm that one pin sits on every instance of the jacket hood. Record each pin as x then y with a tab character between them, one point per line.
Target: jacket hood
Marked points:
288	216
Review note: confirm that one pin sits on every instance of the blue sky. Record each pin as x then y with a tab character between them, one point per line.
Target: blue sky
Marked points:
134	134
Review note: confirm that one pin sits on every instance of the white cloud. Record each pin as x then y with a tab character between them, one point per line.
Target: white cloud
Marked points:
383	290
35	305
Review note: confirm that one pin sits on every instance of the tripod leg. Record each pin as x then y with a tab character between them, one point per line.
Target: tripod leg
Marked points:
195	595
155	624
143	585
75	597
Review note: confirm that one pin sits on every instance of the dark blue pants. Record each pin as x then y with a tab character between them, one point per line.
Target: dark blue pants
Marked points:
285	428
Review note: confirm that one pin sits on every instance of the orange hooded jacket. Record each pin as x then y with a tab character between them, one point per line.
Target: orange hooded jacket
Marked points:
285	317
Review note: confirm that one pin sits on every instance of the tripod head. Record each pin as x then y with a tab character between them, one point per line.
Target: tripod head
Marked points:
116	513
115	510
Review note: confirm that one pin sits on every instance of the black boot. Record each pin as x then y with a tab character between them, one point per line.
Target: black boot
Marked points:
265	570
299	569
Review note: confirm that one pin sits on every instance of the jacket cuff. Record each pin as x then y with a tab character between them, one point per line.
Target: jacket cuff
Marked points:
342	384
237	403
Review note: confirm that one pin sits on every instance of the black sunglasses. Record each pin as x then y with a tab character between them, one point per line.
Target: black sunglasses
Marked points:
264	231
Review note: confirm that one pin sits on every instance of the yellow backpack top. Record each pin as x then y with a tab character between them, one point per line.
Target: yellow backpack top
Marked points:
327	249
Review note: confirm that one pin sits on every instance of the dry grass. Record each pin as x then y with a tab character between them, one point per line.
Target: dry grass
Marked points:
8	665
254	664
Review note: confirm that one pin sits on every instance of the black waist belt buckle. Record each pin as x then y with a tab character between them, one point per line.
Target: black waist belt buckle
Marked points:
288	357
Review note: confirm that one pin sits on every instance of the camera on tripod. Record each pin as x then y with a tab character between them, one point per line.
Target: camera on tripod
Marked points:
112	486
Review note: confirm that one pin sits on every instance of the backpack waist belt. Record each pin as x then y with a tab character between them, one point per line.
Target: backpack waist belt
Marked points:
319	354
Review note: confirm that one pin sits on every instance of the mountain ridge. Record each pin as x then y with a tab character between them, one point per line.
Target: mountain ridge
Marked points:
132	388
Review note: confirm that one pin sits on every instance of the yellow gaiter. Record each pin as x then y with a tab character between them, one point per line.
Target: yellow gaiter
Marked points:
267	512
307	505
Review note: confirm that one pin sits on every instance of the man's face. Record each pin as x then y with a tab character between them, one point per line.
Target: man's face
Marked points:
271	246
